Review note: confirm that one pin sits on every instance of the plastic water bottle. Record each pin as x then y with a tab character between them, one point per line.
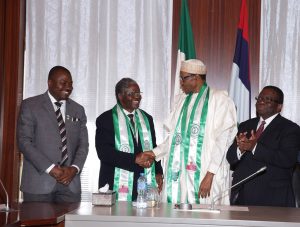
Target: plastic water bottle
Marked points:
141	201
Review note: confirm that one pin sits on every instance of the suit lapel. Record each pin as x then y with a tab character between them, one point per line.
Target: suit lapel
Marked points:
69	114
254	124
271	127
48	106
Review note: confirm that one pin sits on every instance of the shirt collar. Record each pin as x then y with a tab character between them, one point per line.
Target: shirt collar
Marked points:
53	100
126	112
268	120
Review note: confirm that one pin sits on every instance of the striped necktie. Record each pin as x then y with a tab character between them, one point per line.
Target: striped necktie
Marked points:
62	132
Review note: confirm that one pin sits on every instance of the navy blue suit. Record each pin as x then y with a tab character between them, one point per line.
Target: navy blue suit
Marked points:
277	149
110	158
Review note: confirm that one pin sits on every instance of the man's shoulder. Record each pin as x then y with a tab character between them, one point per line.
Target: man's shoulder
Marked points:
250	121
286	122
105	115
147	115
34	100
220	98
107	112
216	93
74	104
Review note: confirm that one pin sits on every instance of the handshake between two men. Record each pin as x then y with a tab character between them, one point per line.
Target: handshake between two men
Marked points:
145	159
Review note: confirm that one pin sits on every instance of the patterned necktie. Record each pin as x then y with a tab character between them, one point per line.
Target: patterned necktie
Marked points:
260	129
62	132
131	121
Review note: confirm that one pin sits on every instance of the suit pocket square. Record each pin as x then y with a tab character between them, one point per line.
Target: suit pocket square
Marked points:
74	119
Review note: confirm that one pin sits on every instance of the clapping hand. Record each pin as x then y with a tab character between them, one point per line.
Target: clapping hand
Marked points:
244	143
145	159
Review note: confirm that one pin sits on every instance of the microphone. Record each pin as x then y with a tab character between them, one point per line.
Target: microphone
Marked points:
218	197
4	209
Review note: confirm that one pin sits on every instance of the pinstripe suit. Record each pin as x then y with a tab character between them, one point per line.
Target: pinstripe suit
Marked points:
277	148
40	142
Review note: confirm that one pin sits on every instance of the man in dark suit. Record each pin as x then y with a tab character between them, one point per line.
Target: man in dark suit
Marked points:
274	145
52	135
123	132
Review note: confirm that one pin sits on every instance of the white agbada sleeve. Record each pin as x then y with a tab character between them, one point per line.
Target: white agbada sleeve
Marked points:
169	125
221	128
224	128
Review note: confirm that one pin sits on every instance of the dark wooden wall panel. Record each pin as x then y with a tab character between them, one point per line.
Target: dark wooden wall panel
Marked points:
2	14
214	24
12	29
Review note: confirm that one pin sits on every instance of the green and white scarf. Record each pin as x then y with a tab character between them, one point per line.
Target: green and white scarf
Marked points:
123	179
186	145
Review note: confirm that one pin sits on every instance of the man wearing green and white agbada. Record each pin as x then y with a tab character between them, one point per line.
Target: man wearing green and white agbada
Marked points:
201	128
122	133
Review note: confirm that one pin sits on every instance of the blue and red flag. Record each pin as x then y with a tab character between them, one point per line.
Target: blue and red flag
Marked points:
240	88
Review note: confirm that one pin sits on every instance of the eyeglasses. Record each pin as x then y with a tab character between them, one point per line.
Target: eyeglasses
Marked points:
184	78
265	99
135	94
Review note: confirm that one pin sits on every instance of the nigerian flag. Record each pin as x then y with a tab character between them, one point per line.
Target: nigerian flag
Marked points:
186	46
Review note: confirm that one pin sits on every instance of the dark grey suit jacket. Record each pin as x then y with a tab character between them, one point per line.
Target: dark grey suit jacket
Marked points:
277	148
40	142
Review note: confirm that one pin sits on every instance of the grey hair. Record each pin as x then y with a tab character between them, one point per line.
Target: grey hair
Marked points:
122	85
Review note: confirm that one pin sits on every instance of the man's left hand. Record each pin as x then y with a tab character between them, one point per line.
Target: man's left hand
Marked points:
248	144
69	173
205	186
159	180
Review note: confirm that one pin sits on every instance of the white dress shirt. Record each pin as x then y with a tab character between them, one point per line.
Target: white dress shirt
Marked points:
63	112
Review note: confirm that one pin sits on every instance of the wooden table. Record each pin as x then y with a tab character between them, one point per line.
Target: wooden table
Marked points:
44	214
37	214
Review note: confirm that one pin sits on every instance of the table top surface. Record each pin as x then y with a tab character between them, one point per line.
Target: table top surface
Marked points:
45	213
34	213
124	211
37	213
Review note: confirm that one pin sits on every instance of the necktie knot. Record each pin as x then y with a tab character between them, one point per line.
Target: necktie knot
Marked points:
130	116
131	119
58	104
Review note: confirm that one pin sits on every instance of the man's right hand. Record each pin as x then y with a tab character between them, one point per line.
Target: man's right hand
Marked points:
244	143
145	159
56	172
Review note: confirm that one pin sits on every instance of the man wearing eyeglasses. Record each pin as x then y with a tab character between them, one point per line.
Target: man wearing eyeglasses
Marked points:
268	140
201	128
123	132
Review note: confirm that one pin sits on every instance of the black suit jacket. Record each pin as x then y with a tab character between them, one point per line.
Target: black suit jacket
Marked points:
111	158
277	149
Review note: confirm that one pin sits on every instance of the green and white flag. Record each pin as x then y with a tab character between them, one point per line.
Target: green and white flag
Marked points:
186	46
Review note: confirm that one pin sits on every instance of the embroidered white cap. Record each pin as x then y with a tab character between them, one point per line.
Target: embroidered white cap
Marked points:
193	66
